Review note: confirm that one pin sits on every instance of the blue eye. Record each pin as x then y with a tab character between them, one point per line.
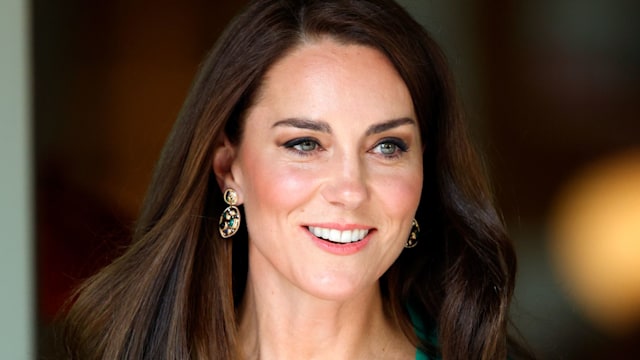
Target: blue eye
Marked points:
306	146
390	147
303	146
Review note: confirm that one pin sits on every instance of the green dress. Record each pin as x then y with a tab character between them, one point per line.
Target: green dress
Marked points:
421	356
420	331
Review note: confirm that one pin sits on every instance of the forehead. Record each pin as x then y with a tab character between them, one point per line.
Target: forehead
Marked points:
325	75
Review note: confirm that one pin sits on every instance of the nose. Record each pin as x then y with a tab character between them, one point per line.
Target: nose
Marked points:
346	184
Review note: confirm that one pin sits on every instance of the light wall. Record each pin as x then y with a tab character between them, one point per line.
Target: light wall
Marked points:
16	292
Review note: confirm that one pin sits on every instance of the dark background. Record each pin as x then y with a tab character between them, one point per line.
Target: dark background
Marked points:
550	87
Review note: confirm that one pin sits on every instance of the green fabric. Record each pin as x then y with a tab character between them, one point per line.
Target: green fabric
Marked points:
418	327
421	356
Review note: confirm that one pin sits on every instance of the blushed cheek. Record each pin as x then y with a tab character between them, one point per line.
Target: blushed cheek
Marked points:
276	187
286	187
401	194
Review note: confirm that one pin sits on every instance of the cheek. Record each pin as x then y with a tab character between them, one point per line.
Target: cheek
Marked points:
273	185
400	192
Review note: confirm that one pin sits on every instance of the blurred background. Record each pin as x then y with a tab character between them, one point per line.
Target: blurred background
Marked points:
552	95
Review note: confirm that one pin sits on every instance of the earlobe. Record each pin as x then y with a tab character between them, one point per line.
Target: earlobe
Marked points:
223	158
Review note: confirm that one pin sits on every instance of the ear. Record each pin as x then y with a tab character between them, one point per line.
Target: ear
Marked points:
223	158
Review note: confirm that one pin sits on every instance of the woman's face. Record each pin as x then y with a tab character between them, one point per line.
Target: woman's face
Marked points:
329	170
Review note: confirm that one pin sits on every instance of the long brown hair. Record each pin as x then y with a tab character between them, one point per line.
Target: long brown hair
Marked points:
174	293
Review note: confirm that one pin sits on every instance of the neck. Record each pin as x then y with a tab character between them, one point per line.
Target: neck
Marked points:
282	322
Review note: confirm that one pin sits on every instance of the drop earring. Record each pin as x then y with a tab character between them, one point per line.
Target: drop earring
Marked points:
412	241
230	219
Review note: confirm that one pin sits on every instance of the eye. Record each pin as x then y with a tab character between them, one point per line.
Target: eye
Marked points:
306	145
390	148
387	148
303	146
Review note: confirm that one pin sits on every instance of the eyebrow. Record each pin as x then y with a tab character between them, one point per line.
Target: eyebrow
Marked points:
322	126
388	125
315	125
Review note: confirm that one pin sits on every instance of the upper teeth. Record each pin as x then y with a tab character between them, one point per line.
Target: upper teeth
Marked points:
338	236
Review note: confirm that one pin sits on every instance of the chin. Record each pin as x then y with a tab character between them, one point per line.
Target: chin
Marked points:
337	288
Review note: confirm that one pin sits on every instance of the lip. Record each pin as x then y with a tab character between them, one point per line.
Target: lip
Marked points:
337	248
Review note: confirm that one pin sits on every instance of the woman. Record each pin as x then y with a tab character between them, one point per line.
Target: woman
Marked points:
327	134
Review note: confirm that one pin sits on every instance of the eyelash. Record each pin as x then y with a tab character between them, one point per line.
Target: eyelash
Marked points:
294	146
401	147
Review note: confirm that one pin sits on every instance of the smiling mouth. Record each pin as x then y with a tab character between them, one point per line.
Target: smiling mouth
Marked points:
337	236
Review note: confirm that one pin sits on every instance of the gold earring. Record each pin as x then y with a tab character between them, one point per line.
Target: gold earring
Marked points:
230	219
412	241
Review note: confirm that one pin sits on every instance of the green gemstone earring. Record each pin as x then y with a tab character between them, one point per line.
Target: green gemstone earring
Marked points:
230	219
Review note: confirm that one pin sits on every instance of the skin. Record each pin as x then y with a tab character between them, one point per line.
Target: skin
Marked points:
332	141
